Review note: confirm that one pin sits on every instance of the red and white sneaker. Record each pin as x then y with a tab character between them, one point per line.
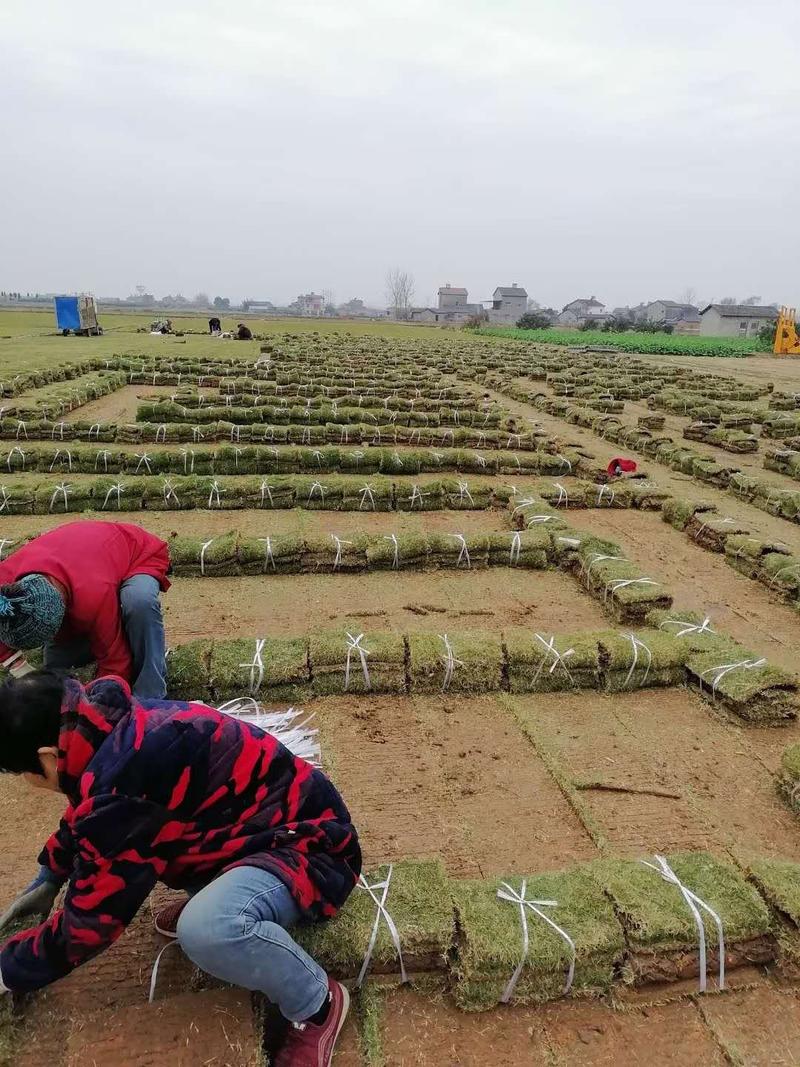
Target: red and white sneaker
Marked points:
165	919
307	1045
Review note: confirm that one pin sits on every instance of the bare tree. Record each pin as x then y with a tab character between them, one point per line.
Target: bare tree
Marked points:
689	296
399	292
752	301
729	300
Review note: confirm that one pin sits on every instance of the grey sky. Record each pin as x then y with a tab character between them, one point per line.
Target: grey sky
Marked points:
253	148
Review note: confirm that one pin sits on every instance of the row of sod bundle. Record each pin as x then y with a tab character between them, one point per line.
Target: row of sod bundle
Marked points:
768	562
729	438
57	399
576	932
21	432
261	394
68	458
277	415
30	495
668	652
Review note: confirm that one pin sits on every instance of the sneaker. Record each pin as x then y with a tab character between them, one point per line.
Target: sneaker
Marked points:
307	1045
165	919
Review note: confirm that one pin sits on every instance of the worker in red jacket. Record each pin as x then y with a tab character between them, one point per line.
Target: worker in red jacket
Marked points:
88	592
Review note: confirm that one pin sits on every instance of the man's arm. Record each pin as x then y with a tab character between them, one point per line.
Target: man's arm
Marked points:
115	869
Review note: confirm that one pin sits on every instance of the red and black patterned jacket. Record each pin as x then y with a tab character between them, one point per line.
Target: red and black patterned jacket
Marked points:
176	793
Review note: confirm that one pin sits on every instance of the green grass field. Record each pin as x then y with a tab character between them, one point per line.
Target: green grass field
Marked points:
645	343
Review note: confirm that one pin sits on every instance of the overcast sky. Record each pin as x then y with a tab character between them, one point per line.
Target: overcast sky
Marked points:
626	149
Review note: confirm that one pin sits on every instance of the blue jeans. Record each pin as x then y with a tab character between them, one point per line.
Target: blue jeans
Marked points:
144	628
236	929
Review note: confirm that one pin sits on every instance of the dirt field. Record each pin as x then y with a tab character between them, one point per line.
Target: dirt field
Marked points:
493	785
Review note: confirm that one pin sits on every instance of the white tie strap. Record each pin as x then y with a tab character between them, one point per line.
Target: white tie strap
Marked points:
793	568
59	452
94	431
526	503
188	460
317	487
450	662
463	555
256	667
168	489
685	628
17	451
558	658
713	523
236	453
636	645
563	495
718	673
366	495
513	897
317	456
118	489
213	496
161	433
22	429
599	557
354	645
203	548
417	496
197	434
396	557
565	461
5	541
338	542
516	547
5	498
63	490
236	433
266	493
269	559
144	459
382	913
438	456
602	491
514	440
305	437
624	583
58	428
464	493
694	903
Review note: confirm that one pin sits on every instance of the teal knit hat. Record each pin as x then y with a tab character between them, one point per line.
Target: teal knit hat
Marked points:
31	612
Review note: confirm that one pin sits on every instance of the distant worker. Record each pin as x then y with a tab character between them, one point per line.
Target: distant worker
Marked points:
214	326
243	333
619	466
88	592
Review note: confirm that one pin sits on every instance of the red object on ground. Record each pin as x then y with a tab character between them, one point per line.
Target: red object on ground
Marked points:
307	1045
92	560
620	465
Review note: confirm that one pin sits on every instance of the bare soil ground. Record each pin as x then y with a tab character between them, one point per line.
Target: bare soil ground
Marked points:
702	581
119	406
409	600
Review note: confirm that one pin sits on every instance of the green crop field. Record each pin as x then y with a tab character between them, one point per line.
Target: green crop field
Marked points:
647	343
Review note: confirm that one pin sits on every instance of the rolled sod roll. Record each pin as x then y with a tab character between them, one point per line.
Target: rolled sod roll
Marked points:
420	903
745	684
458	550
527	548
489	947
59	497
188	670
270	669
271	554
406	551
659	926
320	494
215	557
467	495
640	659
322	460
711	532
551	663
679	512
337	664
459	662
359	461
371	493
422	496
332	553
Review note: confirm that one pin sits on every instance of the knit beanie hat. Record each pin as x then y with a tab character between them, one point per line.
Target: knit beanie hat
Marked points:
31	612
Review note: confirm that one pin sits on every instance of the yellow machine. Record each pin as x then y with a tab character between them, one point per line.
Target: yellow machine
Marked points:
787	343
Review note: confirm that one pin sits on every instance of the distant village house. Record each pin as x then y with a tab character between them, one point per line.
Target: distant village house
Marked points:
683	318
452	309
735	320
576	312
509	304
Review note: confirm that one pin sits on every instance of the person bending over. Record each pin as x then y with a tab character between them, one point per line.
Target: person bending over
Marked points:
88	592
186	795
243	333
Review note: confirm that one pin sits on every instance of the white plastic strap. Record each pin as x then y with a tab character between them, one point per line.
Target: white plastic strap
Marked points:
623	583
516	547
197	434
22	429
463	555
143	458
382	913
726	668
338	542
599	557
558	657
5	499
213	496
784	570
694	903
161	432
450	662
317	456
602	491
417	495
236	433
513	897
266	492
636	645
168	490
104	454
94	431
3	542
256	666
268	556
203	556
62	489
686	627
566	461
16	450
118	489
563	495
389	537
464	493
366	495
354	645
59	452
188	463
713	523
321	489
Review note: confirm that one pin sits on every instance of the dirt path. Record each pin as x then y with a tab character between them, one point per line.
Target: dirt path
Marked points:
119	406
702	581
659	771
405	601
466	785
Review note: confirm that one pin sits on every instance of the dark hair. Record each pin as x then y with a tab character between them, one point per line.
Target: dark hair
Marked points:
30	719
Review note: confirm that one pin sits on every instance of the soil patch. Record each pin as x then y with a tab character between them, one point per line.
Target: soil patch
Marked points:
658	771
762	1025
702	581
451	778
295	604
119	406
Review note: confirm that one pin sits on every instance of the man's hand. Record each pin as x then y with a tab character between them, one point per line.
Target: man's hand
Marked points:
37	899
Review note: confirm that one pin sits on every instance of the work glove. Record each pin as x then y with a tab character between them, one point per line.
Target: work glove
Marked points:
36	899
